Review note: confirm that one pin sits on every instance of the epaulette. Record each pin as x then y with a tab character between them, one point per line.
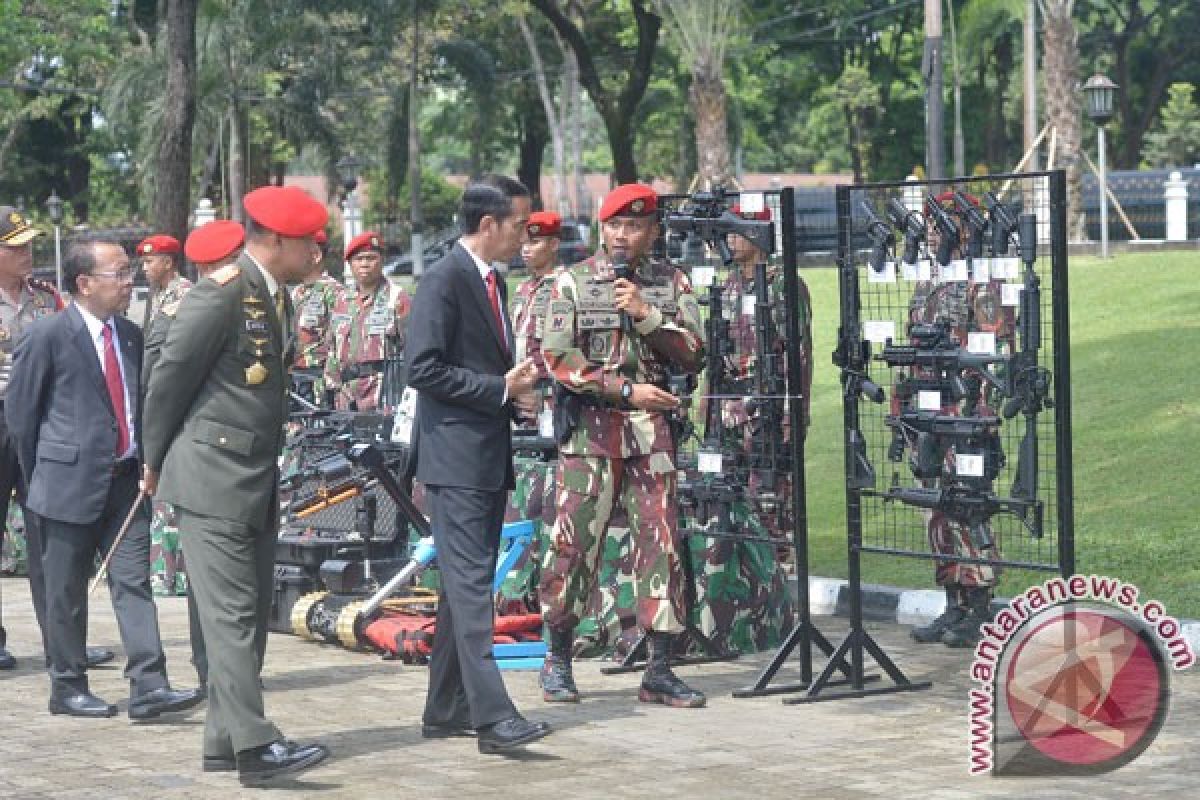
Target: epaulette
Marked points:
170	309
48	288
226	273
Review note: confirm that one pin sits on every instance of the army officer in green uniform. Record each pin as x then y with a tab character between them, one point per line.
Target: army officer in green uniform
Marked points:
213	432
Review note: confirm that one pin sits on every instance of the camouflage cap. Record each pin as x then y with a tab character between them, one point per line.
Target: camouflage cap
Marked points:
15	230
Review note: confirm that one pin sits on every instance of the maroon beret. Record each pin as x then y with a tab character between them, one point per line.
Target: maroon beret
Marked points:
629	200
214	241
158	243
367	240
287	210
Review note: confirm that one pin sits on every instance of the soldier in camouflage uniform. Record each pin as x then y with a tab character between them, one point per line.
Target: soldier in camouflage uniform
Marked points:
23	299
611	340
967	307
160	262
533	497
367	332
315	300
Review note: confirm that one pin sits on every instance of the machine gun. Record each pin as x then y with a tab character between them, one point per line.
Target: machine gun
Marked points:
853	357
975	221
1029	391
706	216
912	224
930	435
720	346
947	228
1002	223
766	410
972	508
883	239
933	348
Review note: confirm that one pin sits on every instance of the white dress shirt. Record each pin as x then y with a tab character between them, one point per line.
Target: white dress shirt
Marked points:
96	331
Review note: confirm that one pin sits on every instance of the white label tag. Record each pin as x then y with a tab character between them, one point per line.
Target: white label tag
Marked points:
709	462
1005	268
1010	294
929	400
908	271
981	343
703	276
956	270
879	330
546	424
924	269
968	465
748	303
886	275
751	202
981	270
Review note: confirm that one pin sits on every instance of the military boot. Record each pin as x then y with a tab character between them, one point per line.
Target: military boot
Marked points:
954	614
557	680
965	633
660	684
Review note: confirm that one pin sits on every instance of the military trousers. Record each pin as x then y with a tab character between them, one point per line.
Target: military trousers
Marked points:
949	537
589	488
231	568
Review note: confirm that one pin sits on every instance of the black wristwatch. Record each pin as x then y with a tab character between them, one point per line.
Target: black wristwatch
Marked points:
626	392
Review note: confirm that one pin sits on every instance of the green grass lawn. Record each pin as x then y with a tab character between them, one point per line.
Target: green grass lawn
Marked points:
1135	328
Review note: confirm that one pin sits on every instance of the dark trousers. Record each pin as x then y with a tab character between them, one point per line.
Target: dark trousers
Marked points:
69	552
231	570
464	681
11	481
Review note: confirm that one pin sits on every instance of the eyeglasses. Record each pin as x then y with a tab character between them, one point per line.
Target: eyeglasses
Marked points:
120	275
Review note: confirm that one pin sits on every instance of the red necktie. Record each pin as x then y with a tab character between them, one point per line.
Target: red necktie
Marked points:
494	296
116	390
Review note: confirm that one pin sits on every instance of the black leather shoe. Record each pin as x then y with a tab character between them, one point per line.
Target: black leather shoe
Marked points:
219	763
510	733
6	660
261	764
449	731
96	656
81	704
163	701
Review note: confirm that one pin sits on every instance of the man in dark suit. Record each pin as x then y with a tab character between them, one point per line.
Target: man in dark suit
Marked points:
216	406
74	414
460	361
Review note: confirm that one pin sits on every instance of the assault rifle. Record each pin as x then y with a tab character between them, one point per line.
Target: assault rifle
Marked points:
720	345
1002	224
1029	391
947	228
912	224
883	240
933	348
931	434
766	410
706	216
972	508
975	221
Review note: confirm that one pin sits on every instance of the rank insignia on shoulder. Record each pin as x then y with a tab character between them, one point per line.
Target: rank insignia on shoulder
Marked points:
256	373
226	273
4	334
170	309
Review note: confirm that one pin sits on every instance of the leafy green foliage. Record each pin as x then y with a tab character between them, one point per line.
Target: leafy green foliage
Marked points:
1176	142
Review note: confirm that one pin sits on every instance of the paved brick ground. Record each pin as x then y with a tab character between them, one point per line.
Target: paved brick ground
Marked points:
367	711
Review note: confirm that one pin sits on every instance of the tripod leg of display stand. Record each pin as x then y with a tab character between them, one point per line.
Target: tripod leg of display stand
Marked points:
636	660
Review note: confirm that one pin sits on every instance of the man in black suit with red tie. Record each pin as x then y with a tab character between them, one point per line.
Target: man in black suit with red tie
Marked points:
460	361
74	413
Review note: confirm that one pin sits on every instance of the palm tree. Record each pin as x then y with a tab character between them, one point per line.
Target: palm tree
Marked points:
1060	45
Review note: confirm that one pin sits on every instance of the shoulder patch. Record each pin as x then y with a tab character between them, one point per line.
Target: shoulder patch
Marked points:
170	309
226	273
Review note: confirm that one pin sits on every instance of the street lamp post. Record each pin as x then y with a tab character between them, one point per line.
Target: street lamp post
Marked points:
1098	92
54	205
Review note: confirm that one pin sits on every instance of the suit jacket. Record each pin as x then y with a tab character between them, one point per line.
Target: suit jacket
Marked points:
62	418
217	399
457	358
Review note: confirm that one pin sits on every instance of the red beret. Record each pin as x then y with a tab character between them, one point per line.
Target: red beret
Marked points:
214	241
629	200
158	243
367	240
544	223
946	200
763	215
287	210
321	237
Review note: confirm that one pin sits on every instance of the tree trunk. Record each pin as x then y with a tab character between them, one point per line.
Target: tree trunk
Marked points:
1061	63
173	167
996	136
620	142
579	201
707	96
555	117
237	160
534	134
